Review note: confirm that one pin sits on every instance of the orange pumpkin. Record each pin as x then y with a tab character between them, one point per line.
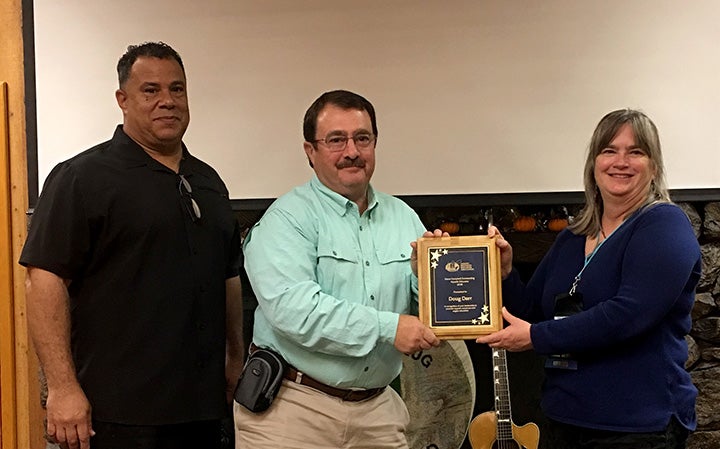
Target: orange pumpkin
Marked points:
450	227
557	224
524	223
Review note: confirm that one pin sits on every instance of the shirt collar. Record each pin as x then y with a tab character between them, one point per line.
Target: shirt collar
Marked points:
133	155
339	203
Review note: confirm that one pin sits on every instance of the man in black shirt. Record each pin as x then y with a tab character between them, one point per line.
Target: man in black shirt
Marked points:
133	257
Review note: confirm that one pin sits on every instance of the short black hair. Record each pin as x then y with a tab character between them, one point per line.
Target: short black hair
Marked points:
342	99
148	49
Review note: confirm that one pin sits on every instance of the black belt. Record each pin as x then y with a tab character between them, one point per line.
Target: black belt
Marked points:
292	374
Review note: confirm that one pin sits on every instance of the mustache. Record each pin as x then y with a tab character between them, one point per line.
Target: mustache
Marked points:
346	163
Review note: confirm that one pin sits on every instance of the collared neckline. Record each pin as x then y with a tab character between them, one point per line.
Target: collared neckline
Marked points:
339	203
133	155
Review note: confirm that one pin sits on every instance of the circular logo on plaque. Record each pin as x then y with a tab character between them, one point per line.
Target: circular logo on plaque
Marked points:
452	266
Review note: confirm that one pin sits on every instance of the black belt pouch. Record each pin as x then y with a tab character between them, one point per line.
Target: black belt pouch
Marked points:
260	380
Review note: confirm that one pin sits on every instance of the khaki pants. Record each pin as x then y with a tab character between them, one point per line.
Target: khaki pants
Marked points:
304	418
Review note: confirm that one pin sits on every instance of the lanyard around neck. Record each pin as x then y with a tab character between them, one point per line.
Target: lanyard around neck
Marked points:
634	215
589	258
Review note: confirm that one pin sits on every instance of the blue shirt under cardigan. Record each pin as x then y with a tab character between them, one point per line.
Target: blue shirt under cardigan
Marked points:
331	283
629	341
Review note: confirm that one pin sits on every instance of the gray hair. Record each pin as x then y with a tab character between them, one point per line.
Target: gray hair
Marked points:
159	50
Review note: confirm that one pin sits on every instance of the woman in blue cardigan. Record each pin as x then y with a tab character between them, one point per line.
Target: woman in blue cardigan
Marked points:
610	303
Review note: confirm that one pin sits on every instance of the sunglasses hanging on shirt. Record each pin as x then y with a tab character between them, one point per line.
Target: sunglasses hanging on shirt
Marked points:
191	206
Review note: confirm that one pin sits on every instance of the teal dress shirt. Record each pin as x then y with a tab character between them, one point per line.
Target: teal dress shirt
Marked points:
331	283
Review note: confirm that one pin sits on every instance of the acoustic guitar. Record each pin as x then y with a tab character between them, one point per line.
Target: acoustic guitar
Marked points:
496	430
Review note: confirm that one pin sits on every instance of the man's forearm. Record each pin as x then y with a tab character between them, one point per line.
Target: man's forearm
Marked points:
234	318
49	326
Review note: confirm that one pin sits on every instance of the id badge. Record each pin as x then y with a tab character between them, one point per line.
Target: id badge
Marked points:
561	361
566	304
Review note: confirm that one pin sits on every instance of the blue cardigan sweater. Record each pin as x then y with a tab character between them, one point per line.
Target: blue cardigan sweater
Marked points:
638	291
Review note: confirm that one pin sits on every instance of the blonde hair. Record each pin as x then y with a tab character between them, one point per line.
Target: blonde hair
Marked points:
588	221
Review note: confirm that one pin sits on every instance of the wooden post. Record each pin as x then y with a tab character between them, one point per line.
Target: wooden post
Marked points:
21	417
7	310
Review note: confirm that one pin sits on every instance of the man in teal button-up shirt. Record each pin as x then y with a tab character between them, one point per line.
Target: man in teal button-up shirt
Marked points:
330	265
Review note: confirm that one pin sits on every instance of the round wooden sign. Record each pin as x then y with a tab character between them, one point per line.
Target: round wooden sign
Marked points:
438	387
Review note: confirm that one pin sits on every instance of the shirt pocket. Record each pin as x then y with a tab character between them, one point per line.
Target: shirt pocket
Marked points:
338	268
396	278
388	256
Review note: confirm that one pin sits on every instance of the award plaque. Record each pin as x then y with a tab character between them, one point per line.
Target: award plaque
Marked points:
459	281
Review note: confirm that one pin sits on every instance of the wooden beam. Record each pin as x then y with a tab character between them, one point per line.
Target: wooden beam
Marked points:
21	413
7	309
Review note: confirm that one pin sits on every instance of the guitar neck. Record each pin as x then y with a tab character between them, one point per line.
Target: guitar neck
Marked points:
502	395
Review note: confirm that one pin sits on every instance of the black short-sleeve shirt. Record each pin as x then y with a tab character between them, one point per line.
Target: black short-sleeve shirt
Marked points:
147	291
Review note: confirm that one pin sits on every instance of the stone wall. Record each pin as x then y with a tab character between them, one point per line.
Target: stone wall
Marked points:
704	339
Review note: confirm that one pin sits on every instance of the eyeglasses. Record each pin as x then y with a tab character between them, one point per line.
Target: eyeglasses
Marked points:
191	206
339	142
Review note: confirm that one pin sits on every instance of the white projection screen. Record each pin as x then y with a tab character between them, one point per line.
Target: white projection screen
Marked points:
472	96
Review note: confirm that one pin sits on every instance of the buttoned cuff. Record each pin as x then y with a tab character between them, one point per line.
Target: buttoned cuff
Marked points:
388	322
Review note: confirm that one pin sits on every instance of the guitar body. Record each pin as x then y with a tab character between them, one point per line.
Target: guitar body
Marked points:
482	434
